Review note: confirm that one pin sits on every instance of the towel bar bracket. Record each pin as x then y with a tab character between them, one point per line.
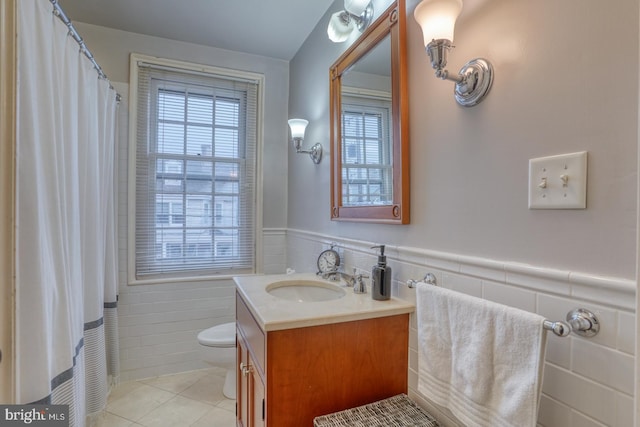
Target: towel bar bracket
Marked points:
583	322
428	278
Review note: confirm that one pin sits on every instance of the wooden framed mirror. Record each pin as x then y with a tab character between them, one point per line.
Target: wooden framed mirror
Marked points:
370	124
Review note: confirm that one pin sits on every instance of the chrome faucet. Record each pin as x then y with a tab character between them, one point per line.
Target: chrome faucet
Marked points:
335	275
354	280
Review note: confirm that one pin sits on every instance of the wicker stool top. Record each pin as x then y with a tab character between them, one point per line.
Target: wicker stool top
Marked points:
396	411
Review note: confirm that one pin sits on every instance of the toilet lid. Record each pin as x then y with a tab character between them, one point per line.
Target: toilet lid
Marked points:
219	336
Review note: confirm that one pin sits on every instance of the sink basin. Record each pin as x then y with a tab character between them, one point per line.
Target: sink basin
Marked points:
305	290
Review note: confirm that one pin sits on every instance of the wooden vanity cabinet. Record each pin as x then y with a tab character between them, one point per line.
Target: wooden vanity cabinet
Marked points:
303	372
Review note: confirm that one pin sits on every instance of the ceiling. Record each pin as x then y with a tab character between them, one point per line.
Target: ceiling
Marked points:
273	28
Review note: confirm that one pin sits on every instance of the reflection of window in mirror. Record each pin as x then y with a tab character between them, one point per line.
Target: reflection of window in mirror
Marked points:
367	173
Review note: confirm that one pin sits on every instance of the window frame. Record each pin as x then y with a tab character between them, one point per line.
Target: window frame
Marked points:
358	101
198	70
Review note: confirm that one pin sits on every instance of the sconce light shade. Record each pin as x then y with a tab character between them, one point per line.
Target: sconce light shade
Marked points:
340	27
356	7
437	19
298	127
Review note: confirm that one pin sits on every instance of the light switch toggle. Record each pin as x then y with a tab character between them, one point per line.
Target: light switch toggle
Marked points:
543	183
565	180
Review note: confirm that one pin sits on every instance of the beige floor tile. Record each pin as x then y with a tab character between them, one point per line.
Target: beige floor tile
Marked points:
139	402
216	371
107	419
176	383
227	404
207	389
122	389
179	400
216	417
177	412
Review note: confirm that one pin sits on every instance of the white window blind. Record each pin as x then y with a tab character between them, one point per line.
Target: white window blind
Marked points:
366	152
195	174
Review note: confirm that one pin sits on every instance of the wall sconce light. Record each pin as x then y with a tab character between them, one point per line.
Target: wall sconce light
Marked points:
438	19
297	135
357	14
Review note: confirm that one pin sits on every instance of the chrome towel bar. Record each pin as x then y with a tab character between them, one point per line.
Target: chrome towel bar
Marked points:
580	320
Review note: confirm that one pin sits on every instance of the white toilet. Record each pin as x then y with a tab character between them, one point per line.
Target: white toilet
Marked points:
222	341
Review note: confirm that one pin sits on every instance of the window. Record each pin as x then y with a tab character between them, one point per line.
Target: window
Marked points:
218	213
367	159
195	149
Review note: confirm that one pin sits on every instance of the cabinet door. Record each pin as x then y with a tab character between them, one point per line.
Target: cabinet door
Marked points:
257	397
242	388
250	390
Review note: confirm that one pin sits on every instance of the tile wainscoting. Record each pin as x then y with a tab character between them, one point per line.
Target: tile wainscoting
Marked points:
159	323
587	382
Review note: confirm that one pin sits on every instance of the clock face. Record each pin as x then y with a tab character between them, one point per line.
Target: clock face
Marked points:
328	261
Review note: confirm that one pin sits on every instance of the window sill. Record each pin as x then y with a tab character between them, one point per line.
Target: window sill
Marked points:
191	279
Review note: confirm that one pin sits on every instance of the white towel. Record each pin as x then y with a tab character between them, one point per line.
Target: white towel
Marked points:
481	360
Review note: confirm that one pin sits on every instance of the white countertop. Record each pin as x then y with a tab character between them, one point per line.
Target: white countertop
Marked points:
273	313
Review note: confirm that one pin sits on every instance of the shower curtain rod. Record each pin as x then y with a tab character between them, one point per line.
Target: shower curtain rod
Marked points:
57	10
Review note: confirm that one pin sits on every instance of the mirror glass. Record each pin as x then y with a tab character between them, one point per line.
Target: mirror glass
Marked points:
369	145
367	155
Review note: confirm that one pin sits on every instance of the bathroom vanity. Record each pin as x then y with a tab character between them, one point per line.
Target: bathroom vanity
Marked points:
300	356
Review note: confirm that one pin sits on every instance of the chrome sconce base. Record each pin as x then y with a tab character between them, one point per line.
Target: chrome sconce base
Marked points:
363	21
473	81
344	22
477	80
315	152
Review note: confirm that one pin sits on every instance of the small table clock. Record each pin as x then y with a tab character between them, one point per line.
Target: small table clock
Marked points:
328	261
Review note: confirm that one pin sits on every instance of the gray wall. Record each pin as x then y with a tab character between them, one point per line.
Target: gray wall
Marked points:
553	93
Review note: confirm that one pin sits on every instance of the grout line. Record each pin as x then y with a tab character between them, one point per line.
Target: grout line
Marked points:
142	382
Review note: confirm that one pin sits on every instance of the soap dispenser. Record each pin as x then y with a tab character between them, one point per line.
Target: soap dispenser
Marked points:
381	277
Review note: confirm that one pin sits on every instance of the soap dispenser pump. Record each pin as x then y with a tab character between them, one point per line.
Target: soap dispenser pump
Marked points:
381	277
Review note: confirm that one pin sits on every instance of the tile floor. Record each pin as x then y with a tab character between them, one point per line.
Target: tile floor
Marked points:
189	399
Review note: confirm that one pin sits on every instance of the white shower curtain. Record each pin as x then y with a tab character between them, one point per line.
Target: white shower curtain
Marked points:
66	272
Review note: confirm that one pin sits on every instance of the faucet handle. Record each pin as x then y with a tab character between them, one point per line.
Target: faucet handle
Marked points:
359	286
359	276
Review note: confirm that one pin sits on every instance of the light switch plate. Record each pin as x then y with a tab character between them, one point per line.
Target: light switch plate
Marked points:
558	182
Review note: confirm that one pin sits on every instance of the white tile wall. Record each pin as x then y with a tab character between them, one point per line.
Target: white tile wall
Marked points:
457	282
159	323
274	249
587	382
626	332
